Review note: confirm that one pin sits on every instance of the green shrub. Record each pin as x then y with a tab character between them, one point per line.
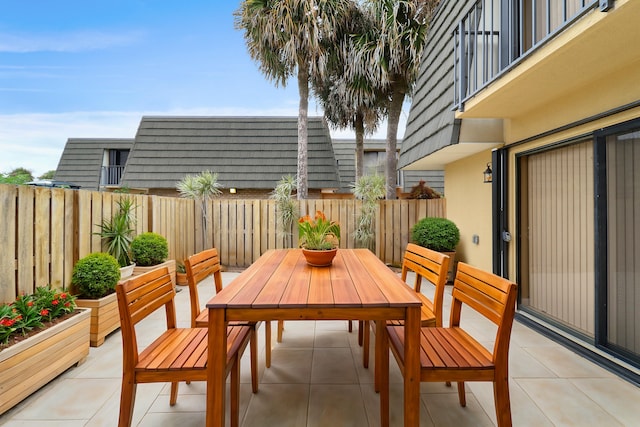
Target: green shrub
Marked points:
149	249
438	234
96	275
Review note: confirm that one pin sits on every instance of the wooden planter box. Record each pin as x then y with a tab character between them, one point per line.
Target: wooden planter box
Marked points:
171	264
105	317
181	279
32	363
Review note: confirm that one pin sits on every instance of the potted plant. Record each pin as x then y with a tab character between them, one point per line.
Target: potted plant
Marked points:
94	279
181	274
319	239
117	234
41	336
438	234
150	251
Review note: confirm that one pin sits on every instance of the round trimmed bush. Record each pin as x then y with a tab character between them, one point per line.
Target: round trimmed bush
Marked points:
96	275
149	249
438	234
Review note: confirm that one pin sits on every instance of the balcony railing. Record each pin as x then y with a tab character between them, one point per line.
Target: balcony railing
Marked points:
495	35
111	175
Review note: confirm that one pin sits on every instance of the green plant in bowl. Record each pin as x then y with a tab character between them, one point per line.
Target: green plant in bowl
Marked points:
438	234
149	249
95	275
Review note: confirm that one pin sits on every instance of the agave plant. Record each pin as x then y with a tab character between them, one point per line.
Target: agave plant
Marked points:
117	232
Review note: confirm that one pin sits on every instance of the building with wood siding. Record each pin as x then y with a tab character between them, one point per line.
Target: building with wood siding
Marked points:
546	95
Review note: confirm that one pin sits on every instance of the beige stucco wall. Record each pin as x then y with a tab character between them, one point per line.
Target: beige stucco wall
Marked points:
469	206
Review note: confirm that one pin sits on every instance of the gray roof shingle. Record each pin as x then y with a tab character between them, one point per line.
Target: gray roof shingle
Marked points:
246	152
82	158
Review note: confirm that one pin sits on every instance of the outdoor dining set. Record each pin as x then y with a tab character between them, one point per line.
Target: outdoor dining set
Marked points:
282	286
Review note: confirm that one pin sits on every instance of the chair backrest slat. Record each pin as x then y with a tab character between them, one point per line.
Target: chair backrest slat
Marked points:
200	266
138	297
486	293
490	295
431	265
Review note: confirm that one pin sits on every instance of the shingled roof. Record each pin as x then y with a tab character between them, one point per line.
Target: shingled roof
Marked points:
82	159
246	152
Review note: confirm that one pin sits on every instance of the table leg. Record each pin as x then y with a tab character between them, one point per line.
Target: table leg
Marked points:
412	367
216	367
381	375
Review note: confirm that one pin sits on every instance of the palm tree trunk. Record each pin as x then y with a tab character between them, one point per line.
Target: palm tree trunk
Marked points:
303	90
358	125
395	109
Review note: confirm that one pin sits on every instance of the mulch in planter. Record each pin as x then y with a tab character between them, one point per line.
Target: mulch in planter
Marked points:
18	337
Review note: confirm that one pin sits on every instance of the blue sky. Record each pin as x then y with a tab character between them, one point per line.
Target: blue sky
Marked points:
92	69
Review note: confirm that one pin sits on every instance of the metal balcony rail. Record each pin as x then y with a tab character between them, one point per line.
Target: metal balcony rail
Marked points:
495	35
111	175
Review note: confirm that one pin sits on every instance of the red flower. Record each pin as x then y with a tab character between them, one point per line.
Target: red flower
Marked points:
44	312
7	322
30	304
67	304
63	295
18	317
55	302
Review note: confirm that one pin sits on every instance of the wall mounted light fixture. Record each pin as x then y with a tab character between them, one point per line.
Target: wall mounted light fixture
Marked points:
232	190
488	174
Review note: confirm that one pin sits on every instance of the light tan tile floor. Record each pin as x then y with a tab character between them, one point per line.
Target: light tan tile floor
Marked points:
317	379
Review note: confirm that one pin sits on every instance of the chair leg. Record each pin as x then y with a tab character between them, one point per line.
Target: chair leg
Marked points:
360	333
267	342
127	400
365	343
280	329
461	394
253	344
502	402
235	393
382	378
350	326
174	394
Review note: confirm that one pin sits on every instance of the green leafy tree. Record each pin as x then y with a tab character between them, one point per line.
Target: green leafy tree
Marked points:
48	175
16	176
287	38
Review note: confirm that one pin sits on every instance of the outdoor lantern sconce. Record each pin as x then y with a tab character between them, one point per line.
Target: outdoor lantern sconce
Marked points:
488	174
232	190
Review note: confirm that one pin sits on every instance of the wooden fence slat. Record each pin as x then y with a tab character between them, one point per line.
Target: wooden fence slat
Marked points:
57	239
50	229
8	199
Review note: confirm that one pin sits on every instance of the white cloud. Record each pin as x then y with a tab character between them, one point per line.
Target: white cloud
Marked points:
65	42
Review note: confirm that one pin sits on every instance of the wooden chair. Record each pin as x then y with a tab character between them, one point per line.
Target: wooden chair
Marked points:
199	267
451	354
179	354
432	266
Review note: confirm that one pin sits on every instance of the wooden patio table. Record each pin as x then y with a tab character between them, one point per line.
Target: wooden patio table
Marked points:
280	285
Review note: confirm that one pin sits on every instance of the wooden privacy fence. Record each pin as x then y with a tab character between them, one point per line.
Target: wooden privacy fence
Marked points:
44	231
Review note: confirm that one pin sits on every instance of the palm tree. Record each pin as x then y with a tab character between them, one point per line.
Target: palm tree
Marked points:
350	100
286	37
389	52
